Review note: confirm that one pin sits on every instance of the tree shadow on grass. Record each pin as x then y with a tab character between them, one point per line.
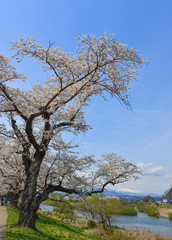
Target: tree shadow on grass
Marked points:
73	232
19	232
47	228
20	235
53	222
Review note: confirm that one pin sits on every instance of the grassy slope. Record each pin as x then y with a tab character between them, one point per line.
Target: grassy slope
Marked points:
52	229
48	228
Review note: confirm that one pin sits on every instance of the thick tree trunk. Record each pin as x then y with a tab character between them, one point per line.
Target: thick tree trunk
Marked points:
29	206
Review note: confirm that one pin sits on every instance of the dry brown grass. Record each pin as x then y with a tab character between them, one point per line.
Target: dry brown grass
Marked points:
164	212
144	235
120	234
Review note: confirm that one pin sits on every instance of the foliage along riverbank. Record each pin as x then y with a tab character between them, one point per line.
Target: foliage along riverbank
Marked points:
148	208
51	228
97	205
161	211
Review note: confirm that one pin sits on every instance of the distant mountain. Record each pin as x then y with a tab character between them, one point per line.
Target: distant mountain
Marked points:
129	195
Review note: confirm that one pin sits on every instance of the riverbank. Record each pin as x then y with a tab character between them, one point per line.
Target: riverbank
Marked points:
49	226
164	212
142	221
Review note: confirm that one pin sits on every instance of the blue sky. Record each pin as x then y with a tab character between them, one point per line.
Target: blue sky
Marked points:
144	135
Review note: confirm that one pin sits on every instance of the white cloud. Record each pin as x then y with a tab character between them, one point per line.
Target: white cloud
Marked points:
168	175
155	169
149	168
156	179
127	190
141	165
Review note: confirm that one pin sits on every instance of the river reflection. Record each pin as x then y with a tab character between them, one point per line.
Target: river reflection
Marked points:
139	222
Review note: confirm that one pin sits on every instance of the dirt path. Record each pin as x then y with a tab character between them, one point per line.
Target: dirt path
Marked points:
3	221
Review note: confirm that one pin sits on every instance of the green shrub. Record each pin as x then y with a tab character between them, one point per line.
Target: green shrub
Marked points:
141	206
91	224
152	211
148	209
63	210
127	210
170	215
100	208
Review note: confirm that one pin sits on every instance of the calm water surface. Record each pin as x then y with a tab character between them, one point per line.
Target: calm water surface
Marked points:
144	222
139	222
46	208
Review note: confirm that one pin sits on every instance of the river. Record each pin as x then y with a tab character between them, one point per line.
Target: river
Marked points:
140	222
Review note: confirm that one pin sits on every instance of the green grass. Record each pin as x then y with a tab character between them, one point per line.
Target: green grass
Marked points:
48	228
52	229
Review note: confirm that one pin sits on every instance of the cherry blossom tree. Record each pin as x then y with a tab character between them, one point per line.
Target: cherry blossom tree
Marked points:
100	66
68	173
64	171
12	175
12	178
